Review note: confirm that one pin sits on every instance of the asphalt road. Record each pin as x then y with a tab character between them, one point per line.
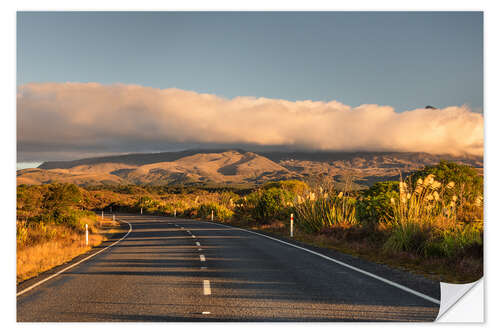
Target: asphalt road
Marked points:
185	270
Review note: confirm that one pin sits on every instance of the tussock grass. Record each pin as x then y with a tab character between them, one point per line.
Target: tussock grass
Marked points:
48	246
66	244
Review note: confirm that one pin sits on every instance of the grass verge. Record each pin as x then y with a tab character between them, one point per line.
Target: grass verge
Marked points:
464	270
64	245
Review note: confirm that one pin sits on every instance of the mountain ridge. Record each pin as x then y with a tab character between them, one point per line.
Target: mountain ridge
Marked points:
234	166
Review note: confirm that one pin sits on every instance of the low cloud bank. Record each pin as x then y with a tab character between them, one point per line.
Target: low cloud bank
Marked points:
78	117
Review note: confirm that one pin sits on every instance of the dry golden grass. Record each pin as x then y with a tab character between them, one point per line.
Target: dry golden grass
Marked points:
66	245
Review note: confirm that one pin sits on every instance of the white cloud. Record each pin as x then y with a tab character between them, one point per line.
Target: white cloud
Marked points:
80	116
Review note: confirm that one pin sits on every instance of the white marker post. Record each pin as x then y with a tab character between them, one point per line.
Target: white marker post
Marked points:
141	210
212	215
291	225
86	235
175	212
113	217
102	215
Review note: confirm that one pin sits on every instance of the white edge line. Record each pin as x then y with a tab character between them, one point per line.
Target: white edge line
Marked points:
389	282
75	264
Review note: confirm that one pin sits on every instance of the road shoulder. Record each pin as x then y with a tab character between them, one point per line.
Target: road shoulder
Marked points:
405	278
36	279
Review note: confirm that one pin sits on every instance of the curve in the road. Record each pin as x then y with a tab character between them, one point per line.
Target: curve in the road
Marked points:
159	274
75	264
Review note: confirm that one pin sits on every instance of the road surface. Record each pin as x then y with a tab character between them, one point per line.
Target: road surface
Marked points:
186	270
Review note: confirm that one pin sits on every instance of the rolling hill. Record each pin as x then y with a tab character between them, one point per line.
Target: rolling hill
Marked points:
231	167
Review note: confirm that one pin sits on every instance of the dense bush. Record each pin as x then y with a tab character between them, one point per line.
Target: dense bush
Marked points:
374	205
266	205
468	181
293	186
55	203
43	211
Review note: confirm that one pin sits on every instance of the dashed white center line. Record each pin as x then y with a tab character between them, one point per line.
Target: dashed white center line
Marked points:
202	257
193	236
206	287
205	312
198	244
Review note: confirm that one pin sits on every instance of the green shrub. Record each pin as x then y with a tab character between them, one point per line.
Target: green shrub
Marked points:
382	188
62	196
468	182
273	203
75	219
293	186
375	204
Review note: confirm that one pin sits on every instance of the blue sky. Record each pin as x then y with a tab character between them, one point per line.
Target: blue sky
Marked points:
405	60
